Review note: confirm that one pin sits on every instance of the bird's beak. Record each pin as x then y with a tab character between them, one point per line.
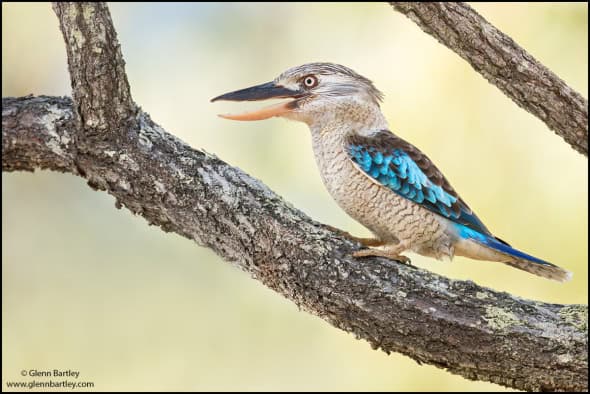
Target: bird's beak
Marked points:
262	92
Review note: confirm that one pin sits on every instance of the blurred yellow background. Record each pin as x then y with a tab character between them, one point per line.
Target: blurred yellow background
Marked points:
91	288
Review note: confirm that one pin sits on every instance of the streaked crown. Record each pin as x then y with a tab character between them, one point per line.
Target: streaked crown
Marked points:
329	79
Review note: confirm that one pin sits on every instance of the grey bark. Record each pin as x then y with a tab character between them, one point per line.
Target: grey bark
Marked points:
505	64
469	330
457	325
96	65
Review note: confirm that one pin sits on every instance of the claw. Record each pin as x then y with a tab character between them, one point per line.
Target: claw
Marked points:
388	254
403	259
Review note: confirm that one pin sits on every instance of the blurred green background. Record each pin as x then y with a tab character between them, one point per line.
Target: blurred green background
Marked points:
91	288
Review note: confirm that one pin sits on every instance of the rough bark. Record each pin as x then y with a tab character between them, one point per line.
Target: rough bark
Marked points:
97	69
469	330
505	64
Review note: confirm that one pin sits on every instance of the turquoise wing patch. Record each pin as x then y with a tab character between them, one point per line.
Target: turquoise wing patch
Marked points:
402	168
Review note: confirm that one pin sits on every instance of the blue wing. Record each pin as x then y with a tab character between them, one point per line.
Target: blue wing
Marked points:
402	168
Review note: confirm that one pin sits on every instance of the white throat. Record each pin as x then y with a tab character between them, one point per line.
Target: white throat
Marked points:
344	117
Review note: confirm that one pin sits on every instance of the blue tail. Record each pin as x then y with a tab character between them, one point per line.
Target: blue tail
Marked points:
503	247
515	258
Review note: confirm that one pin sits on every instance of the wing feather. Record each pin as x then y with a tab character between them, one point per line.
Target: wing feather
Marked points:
402	168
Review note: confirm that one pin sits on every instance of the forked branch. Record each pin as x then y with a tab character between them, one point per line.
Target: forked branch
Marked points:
469	330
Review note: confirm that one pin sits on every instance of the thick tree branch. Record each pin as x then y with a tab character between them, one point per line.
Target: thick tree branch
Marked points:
469	330
505	64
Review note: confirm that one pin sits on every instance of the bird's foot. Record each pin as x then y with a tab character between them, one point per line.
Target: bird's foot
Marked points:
392	253
364	241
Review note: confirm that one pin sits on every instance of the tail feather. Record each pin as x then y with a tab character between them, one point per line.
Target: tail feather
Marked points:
549	271
484	247
527	262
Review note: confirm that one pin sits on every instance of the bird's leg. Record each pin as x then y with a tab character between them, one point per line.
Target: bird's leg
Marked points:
364	241
389	251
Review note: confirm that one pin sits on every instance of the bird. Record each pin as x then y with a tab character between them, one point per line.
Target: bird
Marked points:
379	179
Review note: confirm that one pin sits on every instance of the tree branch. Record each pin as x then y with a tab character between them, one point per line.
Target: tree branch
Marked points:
97	70
505	64
457	325
469	330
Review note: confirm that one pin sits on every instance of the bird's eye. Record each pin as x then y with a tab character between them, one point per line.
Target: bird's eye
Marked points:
310	81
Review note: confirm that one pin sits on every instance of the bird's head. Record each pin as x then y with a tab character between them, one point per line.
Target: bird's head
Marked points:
315	91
